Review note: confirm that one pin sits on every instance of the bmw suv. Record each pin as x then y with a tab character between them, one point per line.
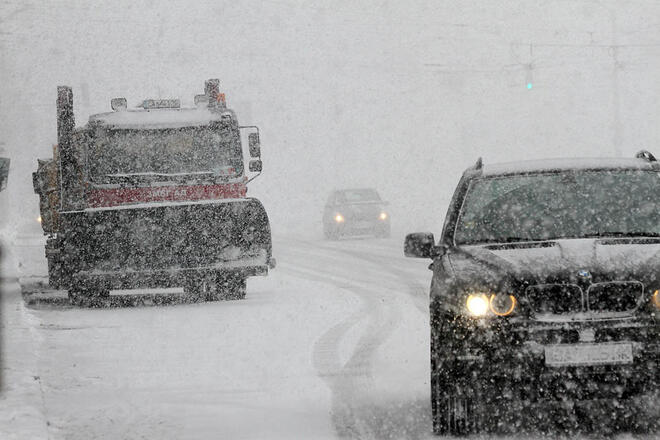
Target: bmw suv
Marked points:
545	297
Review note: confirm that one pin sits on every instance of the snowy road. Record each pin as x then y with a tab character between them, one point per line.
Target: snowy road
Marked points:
333	343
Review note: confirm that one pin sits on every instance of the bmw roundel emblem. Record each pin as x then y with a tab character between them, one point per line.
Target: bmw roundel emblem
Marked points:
584	274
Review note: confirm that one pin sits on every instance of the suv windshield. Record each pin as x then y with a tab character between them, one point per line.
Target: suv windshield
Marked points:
574	204
176	151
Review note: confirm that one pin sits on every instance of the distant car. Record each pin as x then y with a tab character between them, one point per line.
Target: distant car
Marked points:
358	211
546	296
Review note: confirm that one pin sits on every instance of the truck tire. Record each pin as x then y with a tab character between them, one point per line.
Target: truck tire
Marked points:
88	295
55	265
230	287
199	289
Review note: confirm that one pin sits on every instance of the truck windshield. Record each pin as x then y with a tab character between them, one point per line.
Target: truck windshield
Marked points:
164	152
576	204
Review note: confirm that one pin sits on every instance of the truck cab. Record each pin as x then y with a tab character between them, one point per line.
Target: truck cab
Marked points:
154	196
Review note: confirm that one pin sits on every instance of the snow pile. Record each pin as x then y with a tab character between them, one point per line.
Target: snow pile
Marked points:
22	411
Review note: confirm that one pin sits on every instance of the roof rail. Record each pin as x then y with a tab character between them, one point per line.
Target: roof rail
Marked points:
646	155
480	164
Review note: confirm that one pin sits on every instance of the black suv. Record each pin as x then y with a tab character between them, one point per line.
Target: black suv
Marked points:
545	298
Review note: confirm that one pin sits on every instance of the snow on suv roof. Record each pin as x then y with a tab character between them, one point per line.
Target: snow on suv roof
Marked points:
159	118
531	166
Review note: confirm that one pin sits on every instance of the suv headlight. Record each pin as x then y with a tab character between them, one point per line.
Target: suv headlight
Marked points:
477	305
482	304
502	305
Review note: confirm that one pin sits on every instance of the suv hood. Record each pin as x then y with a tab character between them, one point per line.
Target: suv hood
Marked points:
606	259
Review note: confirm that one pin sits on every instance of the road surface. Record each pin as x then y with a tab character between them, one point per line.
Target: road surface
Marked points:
333	343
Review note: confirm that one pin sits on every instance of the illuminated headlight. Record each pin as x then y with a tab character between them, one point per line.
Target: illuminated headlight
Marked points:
477	305
39	219
656	298
383	216
502	305
480	304
339	218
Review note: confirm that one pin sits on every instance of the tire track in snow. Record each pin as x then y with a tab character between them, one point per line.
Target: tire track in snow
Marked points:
417	291
356	411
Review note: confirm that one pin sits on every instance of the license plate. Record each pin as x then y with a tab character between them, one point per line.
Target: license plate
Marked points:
588	354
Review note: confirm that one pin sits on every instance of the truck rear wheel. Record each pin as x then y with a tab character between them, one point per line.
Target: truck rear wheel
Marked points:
230	287
218	288
199	289
88	295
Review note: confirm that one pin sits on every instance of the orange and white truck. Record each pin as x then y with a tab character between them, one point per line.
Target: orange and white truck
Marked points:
153	197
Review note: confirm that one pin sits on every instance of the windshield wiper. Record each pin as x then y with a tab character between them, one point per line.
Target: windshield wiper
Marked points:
504	240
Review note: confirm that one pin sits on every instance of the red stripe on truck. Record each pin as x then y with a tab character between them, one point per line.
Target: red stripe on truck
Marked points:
98	198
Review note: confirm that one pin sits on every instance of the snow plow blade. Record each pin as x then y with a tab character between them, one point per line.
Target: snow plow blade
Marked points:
162	245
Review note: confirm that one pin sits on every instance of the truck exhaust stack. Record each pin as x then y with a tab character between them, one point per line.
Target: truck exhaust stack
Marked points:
72	197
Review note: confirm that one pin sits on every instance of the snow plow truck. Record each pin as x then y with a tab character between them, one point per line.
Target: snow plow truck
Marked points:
153	197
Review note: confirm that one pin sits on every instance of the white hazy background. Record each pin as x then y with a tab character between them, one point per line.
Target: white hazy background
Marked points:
398	95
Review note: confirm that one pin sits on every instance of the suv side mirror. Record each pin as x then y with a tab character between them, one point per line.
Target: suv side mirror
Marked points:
254	145
255	166
420	245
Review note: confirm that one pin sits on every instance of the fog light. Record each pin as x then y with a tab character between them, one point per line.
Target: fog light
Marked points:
339	218
656	298
477	305
502	305
383	216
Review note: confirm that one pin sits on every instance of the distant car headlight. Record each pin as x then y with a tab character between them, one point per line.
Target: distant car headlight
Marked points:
482	304
477	304
383	216
339	218
656	298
